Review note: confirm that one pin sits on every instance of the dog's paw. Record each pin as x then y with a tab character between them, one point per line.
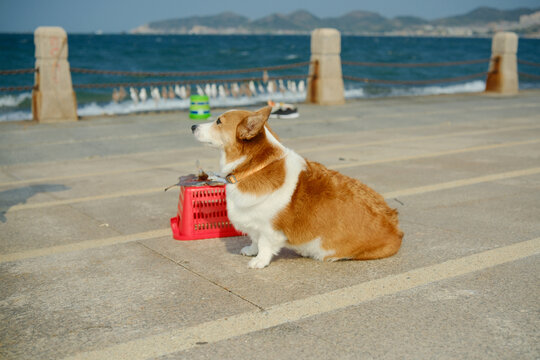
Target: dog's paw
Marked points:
249	250
258	263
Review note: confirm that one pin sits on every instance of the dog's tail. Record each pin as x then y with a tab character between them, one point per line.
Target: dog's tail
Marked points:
393	216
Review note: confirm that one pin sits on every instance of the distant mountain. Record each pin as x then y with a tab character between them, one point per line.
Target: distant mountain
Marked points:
298	21
405	21
483	15
355	22
360	21
221	22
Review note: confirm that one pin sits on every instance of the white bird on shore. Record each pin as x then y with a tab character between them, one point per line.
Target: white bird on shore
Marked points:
271	87
214	90
252	87
122	93
115	95
208	90
143	95
177	91
183	92
235	89
200	91
171	93
261	88
292	87
154	92
221	91
134	96
245	90
281	86
301	86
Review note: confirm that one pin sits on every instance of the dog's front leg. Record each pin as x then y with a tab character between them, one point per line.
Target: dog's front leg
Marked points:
250	250
268	246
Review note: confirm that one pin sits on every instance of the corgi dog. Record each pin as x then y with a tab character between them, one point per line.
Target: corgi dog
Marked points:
281	199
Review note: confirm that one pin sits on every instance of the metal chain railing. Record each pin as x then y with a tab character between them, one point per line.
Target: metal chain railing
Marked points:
188	74
415	82
527	75
263	69
415	65
532	76
530	63
16	88
410	65
184	82
17	71
165	74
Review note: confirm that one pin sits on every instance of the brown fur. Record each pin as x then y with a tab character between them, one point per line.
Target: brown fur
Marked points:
251	142
351	219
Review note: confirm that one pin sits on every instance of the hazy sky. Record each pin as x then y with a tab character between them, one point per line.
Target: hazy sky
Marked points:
122	15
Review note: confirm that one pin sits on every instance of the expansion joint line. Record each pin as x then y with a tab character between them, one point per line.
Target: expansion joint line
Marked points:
202	276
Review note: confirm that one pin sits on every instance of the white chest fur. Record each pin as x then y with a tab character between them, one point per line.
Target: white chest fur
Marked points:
249	212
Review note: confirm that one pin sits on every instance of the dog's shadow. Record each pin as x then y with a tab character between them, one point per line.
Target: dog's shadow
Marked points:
13	197
235	244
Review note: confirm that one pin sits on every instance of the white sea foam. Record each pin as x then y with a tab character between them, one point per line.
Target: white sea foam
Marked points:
473	86
353	93
128	106
16	116
469	87
14	100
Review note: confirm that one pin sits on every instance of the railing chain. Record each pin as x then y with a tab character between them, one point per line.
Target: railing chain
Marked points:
414	82
187	74
409	65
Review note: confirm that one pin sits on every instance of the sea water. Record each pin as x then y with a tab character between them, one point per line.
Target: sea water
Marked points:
195	53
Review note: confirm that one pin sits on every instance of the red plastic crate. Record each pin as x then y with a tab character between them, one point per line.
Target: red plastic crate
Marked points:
202	214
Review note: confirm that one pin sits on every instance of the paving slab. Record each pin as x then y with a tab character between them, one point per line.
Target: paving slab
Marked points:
134	214
100	270
393	176
489	314
495	207
37	229
60	305
475	316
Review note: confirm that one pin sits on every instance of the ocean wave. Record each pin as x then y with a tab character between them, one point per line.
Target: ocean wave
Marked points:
14	100
16	116
469	87
129	107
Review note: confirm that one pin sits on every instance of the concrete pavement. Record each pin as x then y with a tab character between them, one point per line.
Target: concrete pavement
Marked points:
89	269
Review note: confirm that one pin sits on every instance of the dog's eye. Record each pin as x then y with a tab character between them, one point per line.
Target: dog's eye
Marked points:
218	121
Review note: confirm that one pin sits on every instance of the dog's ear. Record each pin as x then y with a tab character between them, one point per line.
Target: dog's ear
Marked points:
253	124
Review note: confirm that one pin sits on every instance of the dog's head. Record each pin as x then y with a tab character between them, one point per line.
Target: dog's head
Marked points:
232	128
244	137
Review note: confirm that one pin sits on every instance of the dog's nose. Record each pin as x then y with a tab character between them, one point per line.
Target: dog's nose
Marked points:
193	128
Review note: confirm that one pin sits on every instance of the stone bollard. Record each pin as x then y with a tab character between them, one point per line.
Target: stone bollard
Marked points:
325	82
503	76
53	98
